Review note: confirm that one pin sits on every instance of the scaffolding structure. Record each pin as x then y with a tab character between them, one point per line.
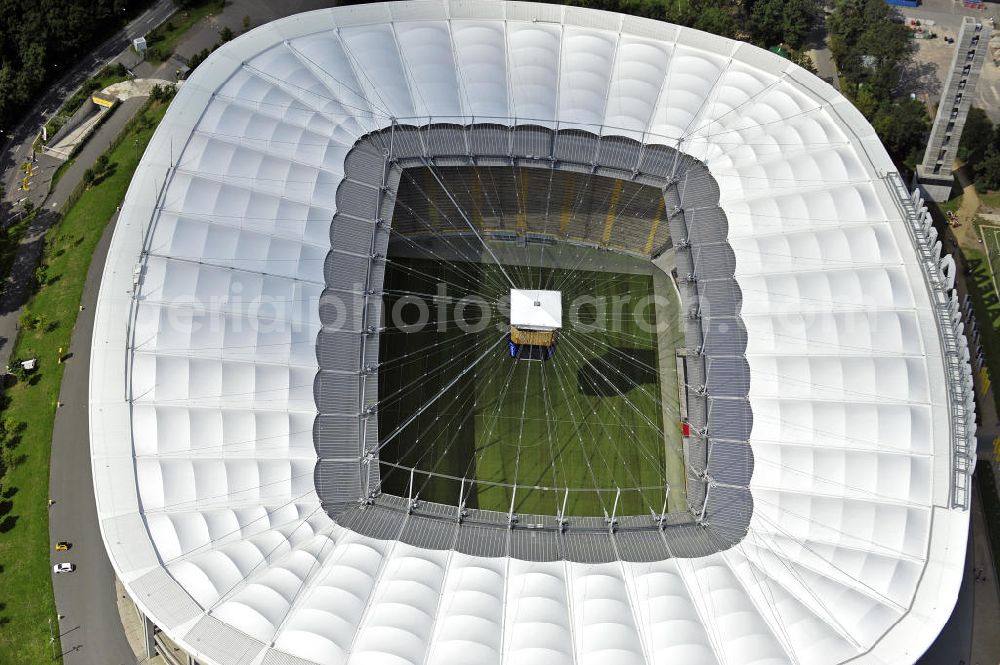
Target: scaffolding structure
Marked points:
934	173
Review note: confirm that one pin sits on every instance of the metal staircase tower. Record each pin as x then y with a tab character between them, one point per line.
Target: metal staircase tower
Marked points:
934	174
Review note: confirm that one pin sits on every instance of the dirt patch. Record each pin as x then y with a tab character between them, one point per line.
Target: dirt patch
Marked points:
965	233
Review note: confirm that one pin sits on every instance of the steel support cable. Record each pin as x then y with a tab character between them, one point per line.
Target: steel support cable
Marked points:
480	451
579	424
467	221
784	640
570	398
863	492
422	248
268	512
310	64
227	445
611	348
862	587
256	570
586	257
520	440
554	450
417	383
654	460
300	94
855	543
755	98
830	617
424	407
434	204
432	470
639	387
469	396
404	264
610	438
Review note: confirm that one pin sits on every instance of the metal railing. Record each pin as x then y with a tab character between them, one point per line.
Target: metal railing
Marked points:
958	374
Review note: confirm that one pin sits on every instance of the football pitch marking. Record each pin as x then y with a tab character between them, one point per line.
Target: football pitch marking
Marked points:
991	242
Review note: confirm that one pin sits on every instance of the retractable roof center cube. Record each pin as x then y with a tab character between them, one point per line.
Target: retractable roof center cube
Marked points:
536	310
535	316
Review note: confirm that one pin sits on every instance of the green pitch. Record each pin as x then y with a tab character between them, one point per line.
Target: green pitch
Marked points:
991	241
602	415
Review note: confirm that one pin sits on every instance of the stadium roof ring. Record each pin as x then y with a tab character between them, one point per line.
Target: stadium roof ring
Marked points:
348	439
837	431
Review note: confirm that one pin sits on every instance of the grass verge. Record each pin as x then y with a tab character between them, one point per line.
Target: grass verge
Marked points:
28	408
163	40
979	283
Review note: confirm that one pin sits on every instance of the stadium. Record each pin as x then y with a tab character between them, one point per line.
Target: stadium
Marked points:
477	332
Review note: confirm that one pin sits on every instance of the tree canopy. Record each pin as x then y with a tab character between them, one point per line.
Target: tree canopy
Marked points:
902	126
766	23
781	21
977	135
870	47
40	40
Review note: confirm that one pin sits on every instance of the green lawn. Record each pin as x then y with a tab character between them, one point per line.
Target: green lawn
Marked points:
163	40
991	242
987	307
592	417
26	602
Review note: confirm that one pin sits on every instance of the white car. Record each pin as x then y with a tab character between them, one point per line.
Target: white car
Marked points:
63	568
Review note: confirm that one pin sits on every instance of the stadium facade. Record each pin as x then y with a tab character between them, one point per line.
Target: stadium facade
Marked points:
235	386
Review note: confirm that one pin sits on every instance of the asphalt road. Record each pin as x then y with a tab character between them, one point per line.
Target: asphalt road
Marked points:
822	58
91	630
22	270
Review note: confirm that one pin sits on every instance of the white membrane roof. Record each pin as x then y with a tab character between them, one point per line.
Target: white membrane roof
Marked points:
203	359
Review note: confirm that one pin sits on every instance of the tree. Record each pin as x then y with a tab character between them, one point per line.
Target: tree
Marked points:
8	458
902	127
40	40
866	101
976	137
226	34
198	58
716	21
774	22
988	170
869	44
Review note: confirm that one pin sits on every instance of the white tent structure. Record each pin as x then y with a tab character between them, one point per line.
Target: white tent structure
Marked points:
204	357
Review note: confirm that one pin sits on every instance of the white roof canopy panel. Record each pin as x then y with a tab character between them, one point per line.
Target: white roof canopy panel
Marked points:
202	407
